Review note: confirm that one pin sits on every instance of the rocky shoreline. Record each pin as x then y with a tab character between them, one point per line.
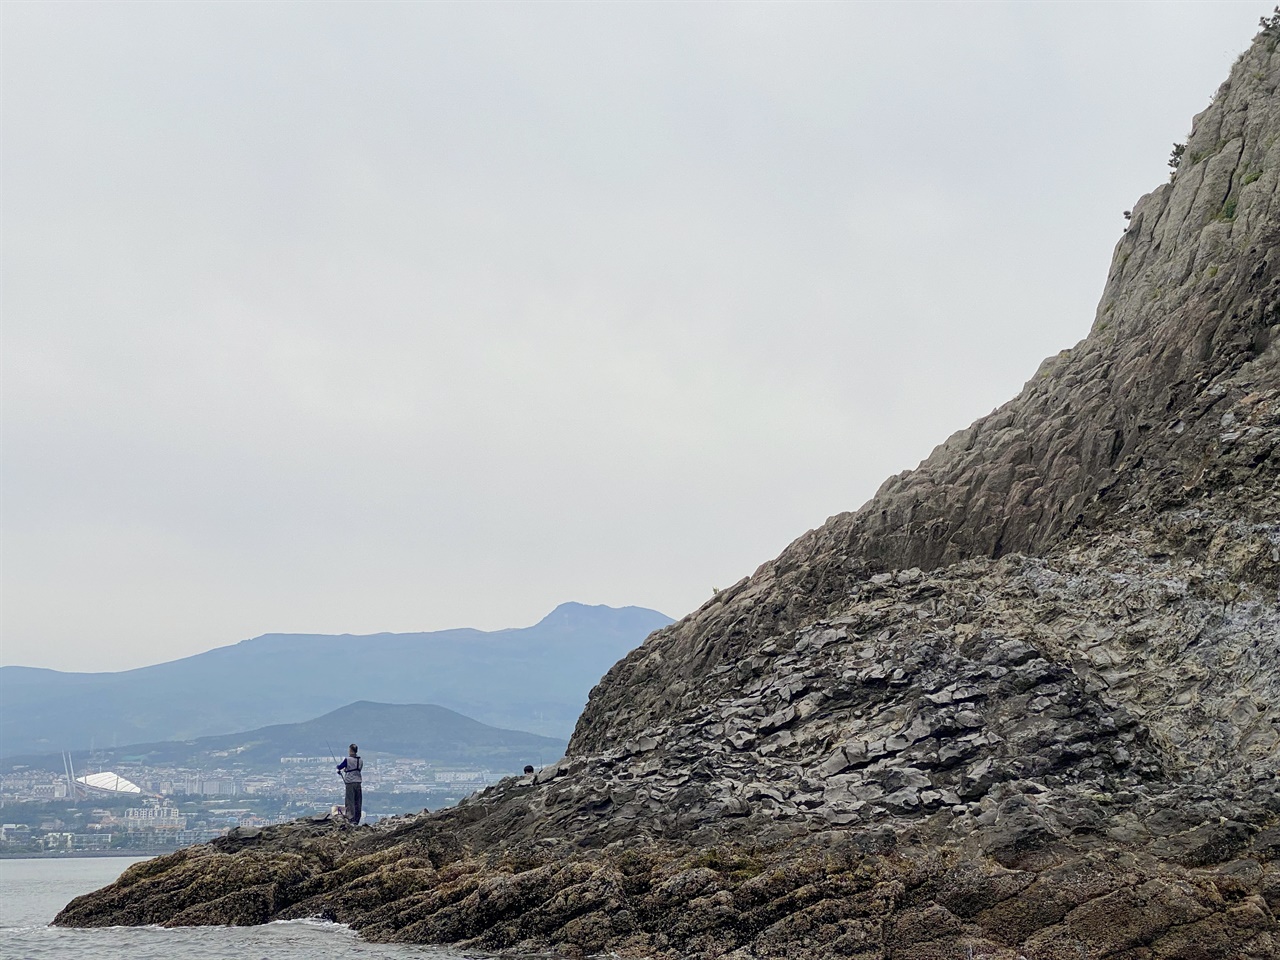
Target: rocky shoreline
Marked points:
995	798
1024	703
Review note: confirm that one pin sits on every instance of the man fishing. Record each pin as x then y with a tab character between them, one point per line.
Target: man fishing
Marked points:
350	769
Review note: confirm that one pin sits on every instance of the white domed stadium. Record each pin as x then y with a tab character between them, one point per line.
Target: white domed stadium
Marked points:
108	783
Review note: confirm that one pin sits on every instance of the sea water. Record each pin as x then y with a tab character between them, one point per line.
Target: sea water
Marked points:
33	891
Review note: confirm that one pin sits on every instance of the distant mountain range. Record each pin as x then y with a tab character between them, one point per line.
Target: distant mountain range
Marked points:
532	678
417	730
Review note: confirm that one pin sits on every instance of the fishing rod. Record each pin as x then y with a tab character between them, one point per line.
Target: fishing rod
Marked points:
333	757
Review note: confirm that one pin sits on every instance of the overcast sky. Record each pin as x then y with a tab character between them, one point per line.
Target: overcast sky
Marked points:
350	318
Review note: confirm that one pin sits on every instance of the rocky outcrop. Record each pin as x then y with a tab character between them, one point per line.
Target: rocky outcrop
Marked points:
1130	421
1025	702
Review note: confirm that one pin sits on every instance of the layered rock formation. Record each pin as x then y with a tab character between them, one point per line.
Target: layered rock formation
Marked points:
1025	702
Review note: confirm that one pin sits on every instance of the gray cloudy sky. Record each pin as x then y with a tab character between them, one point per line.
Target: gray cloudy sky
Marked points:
325	317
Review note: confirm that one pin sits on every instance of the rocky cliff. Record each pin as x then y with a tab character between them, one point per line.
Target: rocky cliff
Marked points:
1025	702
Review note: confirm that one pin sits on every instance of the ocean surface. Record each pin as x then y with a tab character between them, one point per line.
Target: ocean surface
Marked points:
33	891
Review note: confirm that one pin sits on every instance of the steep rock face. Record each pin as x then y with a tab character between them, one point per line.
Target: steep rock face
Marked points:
1191	298
1130	419
1025	702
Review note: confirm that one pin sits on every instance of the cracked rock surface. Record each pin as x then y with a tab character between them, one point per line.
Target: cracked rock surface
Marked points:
1023	703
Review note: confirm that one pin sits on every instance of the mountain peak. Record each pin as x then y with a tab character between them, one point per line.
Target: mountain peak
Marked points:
533	678
572	612
571	609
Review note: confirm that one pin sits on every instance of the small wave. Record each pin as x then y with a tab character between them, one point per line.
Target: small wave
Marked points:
310	922
308	938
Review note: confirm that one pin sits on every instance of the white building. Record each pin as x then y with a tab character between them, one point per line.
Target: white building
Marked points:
154	818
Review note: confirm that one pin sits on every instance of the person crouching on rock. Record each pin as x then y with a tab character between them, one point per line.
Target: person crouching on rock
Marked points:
350	769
